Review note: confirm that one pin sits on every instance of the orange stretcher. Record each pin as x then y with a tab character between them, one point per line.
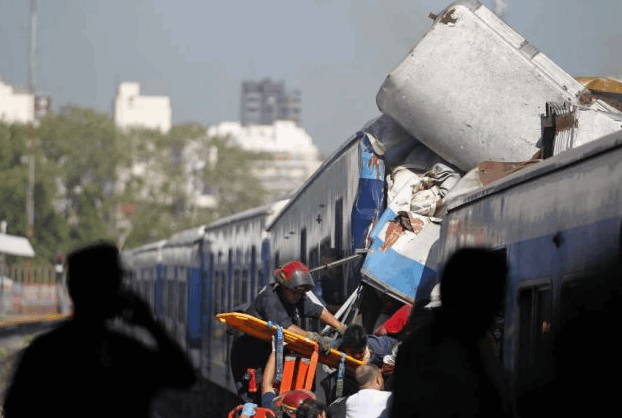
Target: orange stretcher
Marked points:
295	342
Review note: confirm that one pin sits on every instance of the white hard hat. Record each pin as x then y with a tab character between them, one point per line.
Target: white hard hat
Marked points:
435	297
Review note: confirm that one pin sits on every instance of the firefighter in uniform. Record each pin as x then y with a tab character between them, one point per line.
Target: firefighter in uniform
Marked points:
283	302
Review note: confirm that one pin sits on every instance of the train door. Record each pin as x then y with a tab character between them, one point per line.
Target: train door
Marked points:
265	262
194	296
534	316
229	285
207	306
254	278
158	288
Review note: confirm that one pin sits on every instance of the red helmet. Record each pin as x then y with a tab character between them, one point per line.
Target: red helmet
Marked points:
295	274
291	400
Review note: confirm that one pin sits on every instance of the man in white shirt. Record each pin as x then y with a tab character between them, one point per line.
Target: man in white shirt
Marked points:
371	401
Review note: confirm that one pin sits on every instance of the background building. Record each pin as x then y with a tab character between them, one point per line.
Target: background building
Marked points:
16	106
130	109
264	102
295	155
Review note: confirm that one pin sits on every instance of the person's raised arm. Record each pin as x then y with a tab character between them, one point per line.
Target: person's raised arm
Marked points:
268	392
329	319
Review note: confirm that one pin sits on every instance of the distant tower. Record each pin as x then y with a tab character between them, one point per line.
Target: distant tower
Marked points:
32	80
264	102
32	69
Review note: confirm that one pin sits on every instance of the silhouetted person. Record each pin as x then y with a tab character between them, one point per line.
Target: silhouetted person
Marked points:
85	369
443	367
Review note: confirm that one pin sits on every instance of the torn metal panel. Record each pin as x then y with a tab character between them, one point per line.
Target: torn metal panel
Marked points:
490	171
397	261
566	126
388	140
606	89
472	89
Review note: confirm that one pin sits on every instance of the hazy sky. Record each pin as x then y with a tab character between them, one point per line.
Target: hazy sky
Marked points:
336	52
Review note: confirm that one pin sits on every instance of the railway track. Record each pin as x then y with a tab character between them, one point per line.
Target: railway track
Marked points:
15	335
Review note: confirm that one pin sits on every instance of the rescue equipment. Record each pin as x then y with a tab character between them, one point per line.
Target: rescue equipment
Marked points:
295	342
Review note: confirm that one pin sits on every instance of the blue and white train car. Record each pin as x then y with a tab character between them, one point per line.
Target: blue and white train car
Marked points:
182	257
558	223
237	263
333	210
149	275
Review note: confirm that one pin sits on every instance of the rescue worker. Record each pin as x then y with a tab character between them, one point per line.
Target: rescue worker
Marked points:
284	303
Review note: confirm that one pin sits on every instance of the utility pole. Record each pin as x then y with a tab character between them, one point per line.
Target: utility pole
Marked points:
32	79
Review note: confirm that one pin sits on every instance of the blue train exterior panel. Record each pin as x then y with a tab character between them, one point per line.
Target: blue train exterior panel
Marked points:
558	221
194	308
370	200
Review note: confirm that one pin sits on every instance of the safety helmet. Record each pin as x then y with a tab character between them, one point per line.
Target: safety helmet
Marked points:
291	400
295	274
259	412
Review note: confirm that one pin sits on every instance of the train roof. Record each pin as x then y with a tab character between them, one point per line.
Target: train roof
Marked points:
557	162
189	236
149	247
346	145
271	209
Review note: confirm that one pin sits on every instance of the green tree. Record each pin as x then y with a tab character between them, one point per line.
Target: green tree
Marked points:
51	232
232	176
87	149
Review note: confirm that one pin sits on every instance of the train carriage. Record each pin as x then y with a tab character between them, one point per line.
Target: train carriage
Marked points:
182	257
149	275
558	223
237	263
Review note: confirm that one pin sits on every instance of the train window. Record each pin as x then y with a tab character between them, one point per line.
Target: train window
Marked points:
171	298
229	282
303	245
223	292
182	302
498	325
277	261
314	261
331	281
534	305
570	292
254	278
244	292
314	258
164	296
338	224
216	293
236	288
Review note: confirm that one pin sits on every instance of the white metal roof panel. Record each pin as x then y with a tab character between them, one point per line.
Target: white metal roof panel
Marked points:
14	245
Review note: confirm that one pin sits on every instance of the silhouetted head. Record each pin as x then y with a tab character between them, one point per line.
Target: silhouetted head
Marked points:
473	286
94	279
354	341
